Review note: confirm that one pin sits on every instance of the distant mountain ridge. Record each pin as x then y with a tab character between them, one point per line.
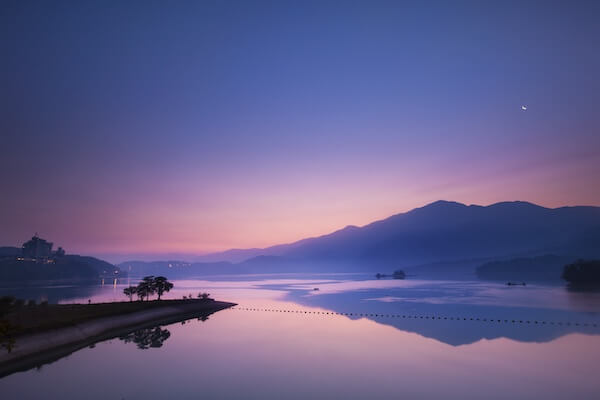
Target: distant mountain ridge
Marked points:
442	231
446	230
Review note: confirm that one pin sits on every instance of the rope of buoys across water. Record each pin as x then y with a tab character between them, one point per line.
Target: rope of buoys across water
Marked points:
427	317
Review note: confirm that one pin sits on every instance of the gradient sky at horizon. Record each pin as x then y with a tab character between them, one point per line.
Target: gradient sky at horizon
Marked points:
148	127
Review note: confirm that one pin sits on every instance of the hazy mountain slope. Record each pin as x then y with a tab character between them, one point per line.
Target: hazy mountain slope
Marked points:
452	231
446	231
444	234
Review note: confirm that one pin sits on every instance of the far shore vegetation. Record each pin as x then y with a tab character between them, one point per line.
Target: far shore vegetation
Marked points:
582	272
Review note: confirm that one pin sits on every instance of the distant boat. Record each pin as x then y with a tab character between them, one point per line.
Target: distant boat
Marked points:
398	274
316	288
515	284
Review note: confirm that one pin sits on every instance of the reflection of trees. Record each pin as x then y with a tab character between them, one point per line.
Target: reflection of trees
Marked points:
583	288
147	338
584	298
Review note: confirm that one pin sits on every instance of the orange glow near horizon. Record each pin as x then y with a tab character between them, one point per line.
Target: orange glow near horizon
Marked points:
276	208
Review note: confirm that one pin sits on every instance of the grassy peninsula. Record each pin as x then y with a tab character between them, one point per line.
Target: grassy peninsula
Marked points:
33	334
40	334
27	319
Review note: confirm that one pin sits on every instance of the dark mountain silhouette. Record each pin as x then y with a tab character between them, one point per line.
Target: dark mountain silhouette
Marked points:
451	231
446	234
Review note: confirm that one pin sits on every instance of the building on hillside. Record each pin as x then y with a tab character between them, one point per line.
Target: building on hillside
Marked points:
37	248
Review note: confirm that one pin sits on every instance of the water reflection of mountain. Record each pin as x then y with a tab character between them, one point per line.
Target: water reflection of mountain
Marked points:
543	325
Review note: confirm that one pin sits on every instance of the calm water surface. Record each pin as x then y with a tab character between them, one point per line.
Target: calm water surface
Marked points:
411	339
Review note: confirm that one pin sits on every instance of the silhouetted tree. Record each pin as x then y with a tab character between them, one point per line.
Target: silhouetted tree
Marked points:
130	292
146	288
162	285
582	272
141	292
7	340
6	303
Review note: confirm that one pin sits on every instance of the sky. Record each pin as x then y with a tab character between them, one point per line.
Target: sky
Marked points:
153	128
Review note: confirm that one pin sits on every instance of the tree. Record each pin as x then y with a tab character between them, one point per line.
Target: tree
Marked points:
130	292
146	288
7	340
162	285
141	291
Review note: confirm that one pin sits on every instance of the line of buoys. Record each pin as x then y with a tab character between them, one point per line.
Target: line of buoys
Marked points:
513	321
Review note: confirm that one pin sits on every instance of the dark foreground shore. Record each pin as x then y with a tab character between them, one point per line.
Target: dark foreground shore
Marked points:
46	333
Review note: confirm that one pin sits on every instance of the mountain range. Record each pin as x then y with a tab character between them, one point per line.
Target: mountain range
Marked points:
442	233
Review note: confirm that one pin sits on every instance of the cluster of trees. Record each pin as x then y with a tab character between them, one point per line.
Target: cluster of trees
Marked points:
8	302
147	287
7	340
201	296
582	272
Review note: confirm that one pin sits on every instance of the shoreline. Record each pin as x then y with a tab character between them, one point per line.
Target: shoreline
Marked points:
47	345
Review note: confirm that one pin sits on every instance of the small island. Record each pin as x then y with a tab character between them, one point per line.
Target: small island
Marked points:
32	334
398	274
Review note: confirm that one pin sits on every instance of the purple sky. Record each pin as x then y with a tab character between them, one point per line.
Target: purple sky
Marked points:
146	128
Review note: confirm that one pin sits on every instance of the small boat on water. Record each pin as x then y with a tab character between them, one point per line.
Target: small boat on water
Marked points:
398	274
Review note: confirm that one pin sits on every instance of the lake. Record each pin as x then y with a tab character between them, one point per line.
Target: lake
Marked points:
337	336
